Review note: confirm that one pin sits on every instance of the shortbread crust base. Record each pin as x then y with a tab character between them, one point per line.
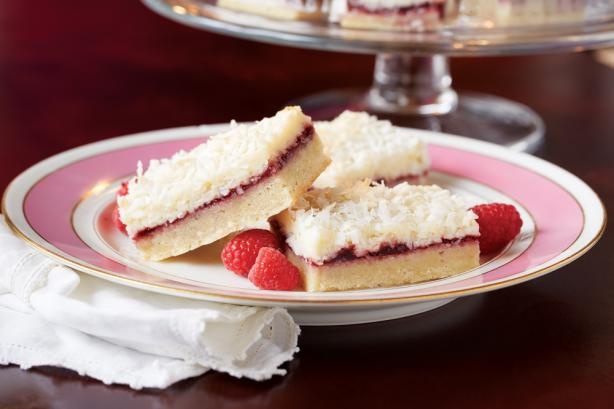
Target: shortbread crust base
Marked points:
278	12
261	201
430	263
391	22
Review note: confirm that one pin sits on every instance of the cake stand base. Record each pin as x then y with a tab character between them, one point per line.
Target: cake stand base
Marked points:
479	116
362	315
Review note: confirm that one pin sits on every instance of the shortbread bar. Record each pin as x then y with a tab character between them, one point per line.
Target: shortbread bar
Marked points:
370	235
232	181
361	146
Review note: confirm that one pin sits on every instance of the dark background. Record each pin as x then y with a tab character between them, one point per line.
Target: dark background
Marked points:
73	72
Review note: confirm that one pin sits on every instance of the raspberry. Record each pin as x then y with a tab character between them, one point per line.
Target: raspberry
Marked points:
123	190
240	253
273	271
499	224
116	220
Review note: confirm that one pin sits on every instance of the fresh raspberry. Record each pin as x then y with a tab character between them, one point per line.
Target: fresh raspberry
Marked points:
499	224
273	271
117	221
123	190
241	251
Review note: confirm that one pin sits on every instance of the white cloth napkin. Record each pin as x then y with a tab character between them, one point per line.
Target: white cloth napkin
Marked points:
52	315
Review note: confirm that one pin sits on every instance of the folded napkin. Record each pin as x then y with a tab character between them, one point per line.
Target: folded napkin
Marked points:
53	315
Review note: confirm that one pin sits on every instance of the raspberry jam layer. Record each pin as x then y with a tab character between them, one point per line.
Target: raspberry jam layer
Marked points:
349	255
420	8
411	179
273	168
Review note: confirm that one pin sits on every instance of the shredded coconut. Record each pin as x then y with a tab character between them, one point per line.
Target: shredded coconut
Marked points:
367	216
361	146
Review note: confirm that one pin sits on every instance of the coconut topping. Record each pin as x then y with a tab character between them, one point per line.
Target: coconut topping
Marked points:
366	217
171	188
361	146
339	7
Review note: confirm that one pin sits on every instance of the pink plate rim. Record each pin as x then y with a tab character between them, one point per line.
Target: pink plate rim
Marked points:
569	215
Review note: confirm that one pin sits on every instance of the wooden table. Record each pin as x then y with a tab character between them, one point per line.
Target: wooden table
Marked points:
76	72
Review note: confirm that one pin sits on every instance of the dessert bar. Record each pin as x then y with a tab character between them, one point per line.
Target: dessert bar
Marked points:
232	181
363	147
371	235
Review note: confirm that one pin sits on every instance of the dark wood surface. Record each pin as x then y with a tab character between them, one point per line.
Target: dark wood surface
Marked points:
74	72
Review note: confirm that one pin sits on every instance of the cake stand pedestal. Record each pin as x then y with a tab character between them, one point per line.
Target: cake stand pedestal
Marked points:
412	85
416	91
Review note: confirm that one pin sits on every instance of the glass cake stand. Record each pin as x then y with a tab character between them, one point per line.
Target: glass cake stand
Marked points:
412	85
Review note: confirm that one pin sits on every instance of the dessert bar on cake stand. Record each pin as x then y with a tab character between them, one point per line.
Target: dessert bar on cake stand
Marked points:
412	85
